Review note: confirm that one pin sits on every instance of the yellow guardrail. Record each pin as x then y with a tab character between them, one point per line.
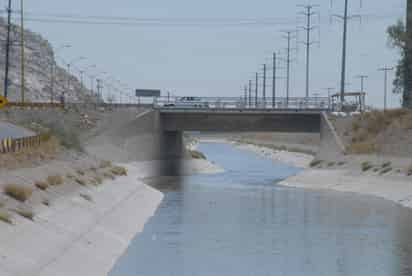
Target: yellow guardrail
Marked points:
10	145
35	105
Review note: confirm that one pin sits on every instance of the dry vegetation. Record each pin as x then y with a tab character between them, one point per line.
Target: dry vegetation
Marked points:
54	180
105	164
197	154
409	171
80	181
18	192
117	170
366	166
42	185
25	214
372	129
5	217
46	151
315	163
86	197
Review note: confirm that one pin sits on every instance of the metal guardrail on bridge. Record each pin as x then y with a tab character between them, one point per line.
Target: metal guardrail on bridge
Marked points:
311	103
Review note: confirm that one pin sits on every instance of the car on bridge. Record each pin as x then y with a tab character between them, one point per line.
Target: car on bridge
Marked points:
187	102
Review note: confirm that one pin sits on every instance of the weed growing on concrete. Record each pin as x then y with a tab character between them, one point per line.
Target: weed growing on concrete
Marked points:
108	175
409	171
197	154
331	164
80	172
386	164
80	181
42	185
25	214
86	197
105	164
386	170
55	180
18	192
315	163
117	170
5	217
366	166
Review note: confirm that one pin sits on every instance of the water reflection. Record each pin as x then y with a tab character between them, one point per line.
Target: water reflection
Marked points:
239	223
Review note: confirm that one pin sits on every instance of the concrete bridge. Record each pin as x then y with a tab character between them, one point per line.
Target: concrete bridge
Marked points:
172	120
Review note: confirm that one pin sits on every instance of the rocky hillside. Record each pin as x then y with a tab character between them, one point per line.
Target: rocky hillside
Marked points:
39	58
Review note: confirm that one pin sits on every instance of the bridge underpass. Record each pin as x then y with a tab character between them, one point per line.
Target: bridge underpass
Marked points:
174	122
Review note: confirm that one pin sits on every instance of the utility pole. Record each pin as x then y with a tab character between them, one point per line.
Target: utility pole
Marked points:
288	61
343	72
99	87
52	82
407	93
68	78
274	81
329	89
250	93
22	80
6	78
362	78
362	96
385	70
256	90
264	85
308	13
245	91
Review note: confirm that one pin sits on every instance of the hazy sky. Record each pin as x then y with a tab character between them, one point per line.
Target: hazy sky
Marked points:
219	60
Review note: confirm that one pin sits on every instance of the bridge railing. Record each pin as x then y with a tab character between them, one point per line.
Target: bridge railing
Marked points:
292	103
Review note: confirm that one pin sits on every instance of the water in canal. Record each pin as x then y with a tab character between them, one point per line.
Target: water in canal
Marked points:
239	223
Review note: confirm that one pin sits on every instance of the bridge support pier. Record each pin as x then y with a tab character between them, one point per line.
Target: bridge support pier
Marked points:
171	153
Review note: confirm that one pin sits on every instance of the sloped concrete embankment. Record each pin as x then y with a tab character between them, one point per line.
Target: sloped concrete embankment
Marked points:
331	145
141	139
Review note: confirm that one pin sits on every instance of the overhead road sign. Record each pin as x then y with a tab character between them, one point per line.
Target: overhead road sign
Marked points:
147	93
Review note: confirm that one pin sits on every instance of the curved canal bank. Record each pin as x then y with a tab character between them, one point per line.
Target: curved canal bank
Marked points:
239	223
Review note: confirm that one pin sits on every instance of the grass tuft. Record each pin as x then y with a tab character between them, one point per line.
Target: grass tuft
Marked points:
386	170
98	180
386	164
42	185
25	214
80	172
315	163
55	180
86	197
46	202
108	175
409	170
18	192
366	166
5	217
80	181
197	154
117	170
105	164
